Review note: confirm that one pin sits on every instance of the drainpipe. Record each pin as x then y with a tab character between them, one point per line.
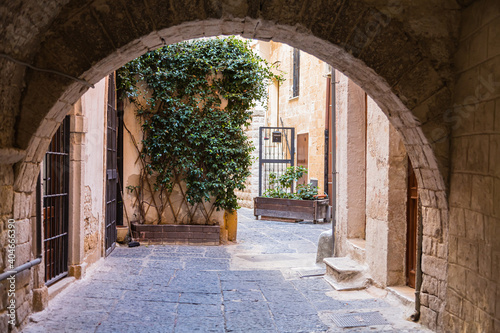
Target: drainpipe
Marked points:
418	274
278	106
333	125
21	268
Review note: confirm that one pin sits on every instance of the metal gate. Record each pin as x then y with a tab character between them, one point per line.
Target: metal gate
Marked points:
276	153
111	168
55	205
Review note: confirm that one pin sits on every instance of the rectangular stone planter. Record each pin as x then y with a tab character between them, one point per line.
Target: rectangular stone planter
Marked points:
176	234
314	210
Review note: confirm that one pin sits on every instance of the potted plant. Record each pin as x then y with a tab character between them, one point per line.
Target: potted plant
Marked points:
280	201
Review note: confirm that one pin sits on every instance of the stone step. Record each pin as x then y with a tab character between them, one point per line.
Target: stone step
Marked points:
344	273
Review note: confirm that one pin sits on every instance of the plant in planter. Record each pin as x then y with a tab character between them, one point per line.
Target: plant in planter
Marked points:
280	201
281	187
193	100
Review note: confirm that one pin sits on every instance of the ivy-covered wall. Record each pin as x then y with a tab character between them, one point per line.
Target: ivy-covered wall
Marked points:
193	102
131	179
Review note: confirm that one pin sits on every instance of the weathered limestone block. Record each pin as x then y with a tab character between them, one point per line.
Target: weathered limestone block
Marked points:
26	176
6	174
482	194
40	298
23	279
23	231
78	271
467	254
434	266
454	303
325	246
6	199
435	303
456	278
432	222
24	309
4	322
22	205
429	285
428	317
23	254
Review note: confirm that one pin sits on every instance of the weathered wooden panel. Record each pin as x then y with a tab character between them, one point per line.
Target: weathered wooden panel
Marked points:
291	209
283	202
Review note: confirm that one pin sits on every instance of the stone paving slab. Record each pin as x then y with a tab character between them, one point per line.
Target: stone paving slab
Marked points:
176	289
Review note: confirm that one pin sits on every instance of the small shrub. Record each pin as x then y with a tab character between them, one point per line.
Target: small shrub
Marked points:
281	187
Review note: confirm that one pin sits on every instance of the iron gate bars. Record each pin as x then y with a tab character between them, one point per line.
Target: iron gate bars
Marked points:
276	153
111	167
55	205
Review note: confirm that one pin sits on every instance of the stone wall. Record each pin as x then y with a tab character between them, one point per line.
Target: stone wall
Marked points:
351	162
306	112
385	199
29	282
84	229
473	295
93	189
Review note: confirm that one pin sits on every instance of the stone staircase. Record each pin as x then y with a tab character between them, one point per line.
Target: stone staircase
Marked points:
344	273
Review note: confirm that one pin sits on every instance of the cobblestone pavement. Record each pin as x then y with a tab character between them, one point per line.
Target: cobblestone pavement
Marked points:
253	286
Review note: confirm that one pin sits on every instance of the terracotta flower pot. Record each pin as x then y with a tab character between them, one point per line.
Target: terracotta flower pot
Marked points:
121	233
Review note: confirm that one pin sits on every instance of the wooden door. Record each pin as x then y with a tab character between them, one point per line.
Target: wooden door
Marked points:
302	154
111	168
411	227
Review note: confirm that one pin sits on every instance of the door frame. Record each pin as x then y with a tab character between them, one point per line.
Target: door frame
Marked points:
411	227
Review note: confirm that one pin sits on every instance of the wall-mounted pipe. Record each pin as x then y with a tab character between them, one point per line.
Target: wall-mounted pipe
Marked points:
21	268
333	132
418	274
278	105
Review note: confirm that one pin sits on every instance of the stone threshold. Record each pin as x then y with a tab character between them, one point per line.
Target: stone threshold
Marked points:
403	294
59	286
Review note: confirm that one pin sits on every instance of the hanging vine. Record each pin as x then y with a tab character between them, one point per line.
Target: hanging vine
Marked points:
194	100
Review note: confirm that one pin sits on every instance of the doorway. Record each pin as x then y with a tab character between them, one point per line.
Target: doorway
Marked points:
111	167
303	155
411	226
55	175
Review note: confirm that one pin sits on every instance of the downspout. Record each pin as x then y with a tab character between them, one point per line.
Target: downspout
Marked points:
418	274
278	105
327	134
333	132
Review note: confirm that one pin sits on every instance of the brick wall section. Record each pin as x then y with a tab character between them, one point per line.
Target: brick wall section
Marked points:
473	298
176	234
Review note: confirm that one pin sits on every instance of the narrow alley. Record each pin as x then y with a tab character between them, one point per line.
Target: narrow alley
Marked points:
257	285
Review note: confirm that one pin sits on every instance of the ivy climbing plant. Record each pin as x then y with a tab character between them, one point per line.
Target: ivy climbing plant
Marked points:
194	100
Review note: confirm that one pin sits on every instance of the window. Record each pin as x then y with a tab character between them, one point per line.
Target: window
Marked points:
296	72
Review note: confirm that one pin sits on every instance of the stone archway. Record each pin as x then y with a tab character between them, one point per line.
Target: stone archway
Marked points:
373	46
